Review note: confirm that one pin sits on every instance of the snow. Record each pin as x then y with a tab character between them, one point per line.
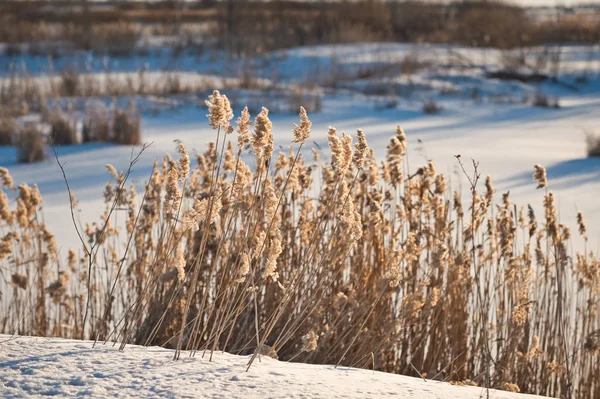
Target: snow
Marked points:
34	367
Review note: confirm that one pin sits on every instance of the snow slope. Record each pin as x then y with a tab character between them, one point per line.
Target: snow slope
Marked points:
31	366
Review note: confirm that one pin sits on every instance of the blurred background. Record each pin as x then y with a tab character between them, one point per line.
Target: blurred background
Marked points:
510	84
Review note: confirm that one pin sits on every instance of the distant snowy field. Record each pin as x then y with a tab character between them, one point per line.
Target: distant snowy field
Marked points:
32	367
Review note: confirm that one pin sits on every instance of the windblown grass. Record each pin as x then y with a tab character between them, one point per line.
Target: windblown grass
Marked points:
354	261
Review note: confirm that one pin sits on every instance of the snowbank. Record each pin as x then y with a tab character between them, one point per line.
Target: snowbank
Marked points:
57	367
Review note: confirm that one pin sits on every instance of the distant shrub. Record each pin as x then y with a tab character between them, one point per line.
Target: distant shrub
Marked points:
310	99
386	104
544	101
431	107
96	124
31	145
126	126
63	130
69	82
593	144
116	39
173	84
7	130
248	79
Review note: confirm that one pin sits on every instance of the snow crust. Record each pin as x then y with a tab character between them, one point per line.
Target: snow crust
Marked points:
37	367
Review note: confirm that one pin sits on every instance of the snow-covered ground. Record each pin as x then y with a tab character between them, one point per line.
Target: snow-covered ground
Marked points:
36	367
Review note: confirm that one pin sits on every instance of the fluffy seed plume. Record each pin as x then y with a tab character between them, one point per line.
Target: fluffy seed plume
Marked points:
258	244
180	263
490	190
539	175
72	260
244	268
5	246
581	224
310	341
111	169
184	162
243	124
347	152
190	220
302	132
228	112
274	251
219	110
173	196
5	213
362	149
6	178
244	174
401	136
335	145
262	139
270	201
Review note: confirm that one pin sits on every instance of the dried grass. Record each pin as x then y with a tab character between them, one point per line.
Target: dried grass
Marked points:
544	101
96	125
126	127
8	128
431	107
31	144
63	128
593	144
355	262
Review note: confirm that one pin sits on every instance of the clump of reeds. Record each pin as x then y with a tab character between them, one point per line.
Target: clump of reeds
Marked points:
115	39
431	107
96	124
544	101
63	128
126	127
349	260
31	144
70	82
8	128
309	98
593	144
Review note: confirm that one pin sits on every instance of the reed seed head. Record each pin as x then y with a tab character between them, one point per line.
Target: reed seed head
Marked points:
6	178
361	149
184	162
539	175
244	124
302	132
